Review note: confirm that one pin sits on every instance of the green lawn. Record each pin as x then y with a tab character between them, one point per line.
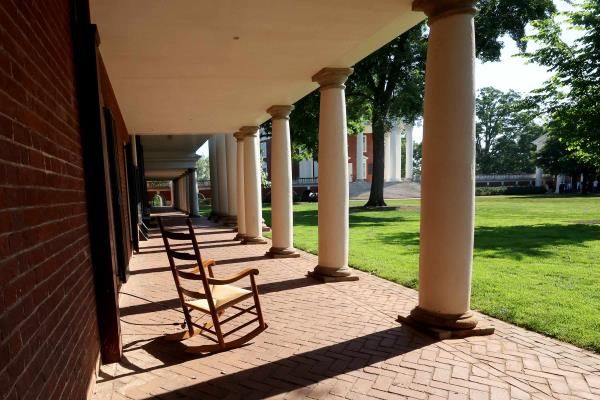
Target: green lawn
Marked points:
536	261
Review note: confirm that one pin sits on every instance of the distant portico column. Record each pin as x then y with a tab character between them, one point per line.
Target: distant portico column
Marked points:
193	192
241	206
252	192
281	184
360	157
447	201
222	176
215	204
333	177
396	154
409	153
231	148
387	160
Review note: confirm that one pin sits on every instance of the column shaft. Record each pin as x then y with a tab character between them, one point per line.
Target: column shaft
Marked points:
252	186
222	175
231	147
360	155
396	154
281	184
448	184
214	187
387	159
409	153
333	176
193	189
241	205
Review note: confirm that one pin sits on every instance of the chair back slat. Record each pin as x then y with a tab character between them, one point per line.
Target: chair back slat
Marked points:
189	275
181	255
178	235
192	293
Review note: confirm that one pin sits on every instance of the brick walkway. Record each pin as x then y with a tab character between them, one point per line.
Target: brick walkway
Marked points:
334	341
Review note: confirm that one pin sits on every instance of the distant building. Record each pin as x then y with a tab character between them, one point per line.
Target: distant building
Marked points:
360	158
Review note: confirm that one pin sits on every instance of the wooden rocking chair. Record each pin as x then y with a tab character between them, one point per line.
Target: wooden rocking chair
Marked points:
213	298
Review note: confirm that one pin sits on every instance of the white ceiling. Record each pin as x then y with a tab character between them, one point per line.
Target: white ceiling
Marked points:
176	67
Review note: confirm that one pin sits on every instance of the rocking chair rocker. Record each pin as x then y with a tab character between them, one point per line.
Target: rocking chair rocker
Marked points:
214	298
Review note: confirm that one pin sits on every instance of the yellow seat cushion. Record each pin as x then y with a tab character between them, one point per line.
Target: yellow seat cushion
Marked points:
222	294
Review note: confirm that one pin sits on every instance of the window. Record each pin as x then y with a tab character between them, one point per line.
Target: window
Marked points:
364	138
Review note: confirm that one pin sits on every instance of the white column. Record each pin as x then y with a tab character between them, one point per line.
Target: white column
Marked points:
214	187
241	206
538	176
448	184
231	148
193	192
396	154
360	156
306	168
333	176
281	184
252	186
559	179
409	153
222	175
387	159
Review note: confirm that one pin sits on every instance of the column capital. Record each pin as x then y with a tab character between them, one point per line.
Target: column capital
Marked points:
246	131
280	112
332	77
239	136
437	9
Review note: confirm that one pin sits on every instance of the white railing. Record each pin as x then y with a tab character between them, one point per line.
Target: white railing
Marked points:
305	181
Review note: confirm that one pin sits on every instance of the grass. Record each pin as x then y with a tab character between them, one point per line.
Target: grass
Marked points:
536	258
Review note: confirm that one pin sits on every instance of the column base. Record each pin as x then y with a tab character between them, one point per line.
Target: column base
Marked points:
239	236
328	274
282	252
229	220
214	216
254	240
445	326
265	227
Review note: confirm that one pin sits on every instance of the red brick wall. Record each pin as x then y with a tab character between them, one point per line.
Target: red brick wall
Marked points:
48	331
368	153
352	154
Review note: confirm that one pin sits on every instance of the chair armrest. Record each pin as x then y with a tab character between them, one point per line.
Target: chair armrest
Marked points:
206	264
233	278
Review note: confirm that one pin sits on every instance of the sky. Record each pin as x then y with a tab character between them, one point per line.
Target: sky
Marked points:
511	72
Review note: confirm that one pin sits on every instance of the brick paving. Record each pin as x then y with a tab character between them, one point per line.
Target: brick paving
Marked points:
324	341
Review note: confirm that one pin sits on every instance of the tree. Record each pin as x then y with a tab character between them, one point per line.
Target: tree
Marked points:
505	130
571	97
497	18
202	169
555	158
388	84
391	82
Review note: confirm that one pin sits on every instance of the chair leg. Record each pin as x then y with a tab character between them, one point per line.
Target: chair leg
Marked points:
218	331
261	321
210	324
179	336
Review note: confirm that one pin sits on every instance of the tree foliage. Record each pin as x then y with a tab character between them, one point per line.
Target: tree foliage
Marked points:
497	18
203	169
505	130
387	86
391	83
571	97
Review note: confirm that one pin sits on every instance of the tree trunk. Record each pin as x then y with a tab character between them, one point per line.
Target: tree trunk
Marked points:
376	195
